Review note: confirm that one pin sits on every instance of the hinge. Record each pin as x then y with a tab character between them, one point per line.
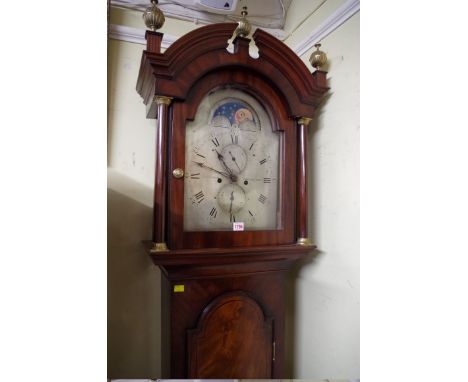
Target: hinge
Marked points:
274	351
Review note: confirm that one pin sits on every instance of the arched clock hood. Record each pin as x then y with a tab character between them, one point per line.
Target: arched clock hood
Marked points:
203	51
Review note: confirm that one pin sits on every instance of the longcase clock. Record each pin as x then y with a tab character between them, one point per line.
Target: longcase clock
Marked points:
230	199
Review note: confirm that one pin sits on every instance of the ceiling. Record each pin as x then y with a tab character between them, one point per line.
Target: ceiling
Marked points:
269	14
315	19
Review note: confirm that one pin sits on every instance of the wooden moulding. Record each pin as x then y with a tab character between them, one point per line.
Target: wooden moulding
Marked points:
213	262
174	72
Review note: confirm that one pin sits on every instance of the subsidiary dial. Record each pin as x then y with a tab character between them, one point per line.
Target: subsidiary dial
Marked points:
231	198
235	158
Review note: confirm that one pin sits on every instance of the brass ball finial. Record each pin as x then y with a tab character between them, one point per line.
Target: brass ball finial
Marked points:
318	58
153	17
244	27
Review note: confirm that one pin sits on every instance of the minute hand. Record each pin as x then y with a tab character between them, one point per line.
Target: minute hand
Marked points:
212	169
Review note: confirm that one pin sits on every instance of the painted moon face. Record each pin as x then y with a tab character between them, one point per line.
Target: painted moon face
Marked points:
247	125
242	115
220	121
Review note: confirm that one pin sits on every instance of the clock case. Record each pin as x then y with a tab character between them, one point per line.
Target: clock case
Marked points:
224	293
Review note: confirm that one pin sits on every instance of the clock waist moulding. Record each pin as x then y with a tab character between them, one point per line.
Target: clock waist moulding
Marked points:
231	147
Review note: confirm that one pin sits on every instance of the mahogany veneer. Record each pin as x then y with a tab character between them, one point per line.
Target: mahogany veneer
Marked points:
228	322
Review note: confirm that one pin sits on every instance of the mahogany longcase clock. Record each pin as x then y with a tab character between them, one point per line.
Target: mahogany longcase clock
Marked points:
230	199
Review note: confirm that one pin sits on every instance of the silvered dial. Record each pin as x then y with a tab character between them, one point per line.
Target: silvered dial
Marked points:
231	165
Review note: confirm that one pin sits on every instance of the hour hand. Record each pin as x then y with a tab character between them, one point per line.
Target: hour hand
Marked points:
221	159
231	175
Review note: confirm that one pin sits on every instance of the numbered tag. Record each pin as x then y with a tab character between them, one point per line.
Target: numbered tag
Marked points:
238	226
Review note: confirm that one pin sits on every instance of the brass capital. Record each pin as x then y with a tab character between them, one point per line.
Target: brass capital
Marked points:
159	247
162	100
305	241
304	121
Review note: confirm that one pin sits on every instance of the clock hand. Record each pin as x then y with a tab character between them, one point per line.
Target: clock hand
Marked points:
234	160
221	159
231	199
231	175
212	169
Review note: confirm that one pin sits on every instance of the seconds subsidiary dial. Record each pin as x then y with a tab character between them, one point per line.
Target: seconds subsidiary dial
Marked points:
231	165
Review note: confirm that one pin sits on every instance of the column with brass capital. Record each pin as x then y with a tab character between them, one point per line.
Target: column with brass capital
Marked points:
160	176
302	196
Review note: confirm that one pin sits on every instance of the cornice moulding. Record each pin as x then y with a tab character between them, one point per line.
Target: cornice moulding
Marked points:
335	20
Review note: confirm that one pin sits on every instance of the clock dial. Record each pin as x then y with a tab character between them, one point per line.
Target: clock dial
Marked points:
231	165
234	158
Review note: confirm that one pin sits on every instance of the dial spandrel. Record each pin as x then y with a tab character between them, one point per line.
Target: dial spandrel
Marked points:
231	165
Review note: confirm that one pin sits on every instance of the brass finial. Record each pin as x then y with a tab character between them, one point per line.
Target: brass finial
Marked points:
153	16
244	27
318	58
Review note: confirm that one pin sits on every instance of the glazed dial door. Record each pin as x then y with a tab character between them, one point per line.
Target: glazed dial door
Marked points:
231	165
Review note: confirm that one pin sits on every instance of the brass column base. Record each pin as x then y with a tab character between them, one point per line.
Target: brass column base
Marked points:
304	241
159	247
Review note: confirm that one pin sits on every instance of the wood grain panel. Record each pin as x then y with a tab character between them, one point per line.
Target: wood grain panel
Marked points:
233	340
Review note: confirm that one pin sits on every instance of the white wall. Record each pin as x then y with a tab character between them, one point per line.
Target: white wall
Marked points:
326	319
133	282
324	316
129	132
